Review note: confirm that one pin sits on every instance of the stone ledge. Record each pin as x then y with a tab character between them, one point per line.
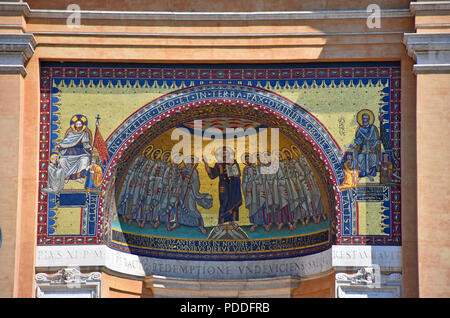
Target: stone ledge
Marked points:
14	8
431	68
427	41
92	257
431	51
426	6
221	16
15	51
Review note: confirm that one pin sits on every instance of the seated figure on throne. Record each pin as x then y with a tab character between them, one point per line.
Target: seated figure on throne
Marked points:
75	149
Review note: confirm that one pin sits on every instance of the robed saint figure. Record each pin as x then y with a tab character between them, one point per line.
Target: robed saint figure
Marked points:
367	143
230	197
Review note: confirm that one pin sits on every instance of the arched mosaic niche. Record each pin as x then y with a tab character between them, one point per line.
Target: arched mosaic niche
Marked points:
158	235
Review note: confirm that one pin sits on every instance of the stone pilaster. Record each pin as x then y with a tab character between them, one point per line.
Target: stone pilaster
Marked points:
16	49
16	46
430	49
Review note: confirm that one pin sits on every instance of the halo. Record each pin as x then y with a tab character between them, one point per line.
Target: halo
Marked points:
54	155
160	152
285	149
76	118
296	147
147	150
361	113
169	152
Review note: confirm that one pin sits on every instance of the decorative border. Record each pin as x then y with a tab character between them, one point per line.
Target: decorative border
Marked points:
257	75
220	249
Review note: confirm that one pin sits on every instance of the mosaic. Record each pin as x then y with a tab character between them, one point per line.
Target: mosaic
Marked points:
108	176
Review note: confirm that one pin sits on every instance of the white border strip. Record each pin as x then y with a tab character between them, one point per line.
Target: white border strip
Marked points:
388	258
100	256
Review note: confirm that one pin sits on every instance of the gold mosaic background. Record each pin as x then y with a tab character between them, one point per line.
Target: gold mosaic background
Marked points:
335	106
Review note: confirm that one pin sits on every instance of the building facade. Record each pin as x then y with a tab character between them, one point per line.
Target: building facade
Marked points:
224	149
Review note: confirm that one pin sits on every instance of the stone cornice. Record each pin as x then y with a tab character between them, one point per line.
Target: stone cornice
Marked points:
417	42
15	51
220	16
213	35
14	8
24	9
426	6
101	257
431	51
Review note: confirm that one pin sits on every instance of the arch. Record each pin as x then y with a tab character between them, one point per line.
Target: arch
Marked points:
210	99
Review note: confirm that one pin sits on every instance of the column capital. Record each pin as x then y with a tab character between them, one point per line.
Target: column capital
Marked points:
15	51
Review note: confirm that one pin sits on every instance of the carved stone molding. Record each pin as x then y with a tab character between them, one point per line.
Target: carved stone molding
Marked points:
221	16
427	6
14	8
15	51
431	51
364	276
368	282
68	281
130	265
